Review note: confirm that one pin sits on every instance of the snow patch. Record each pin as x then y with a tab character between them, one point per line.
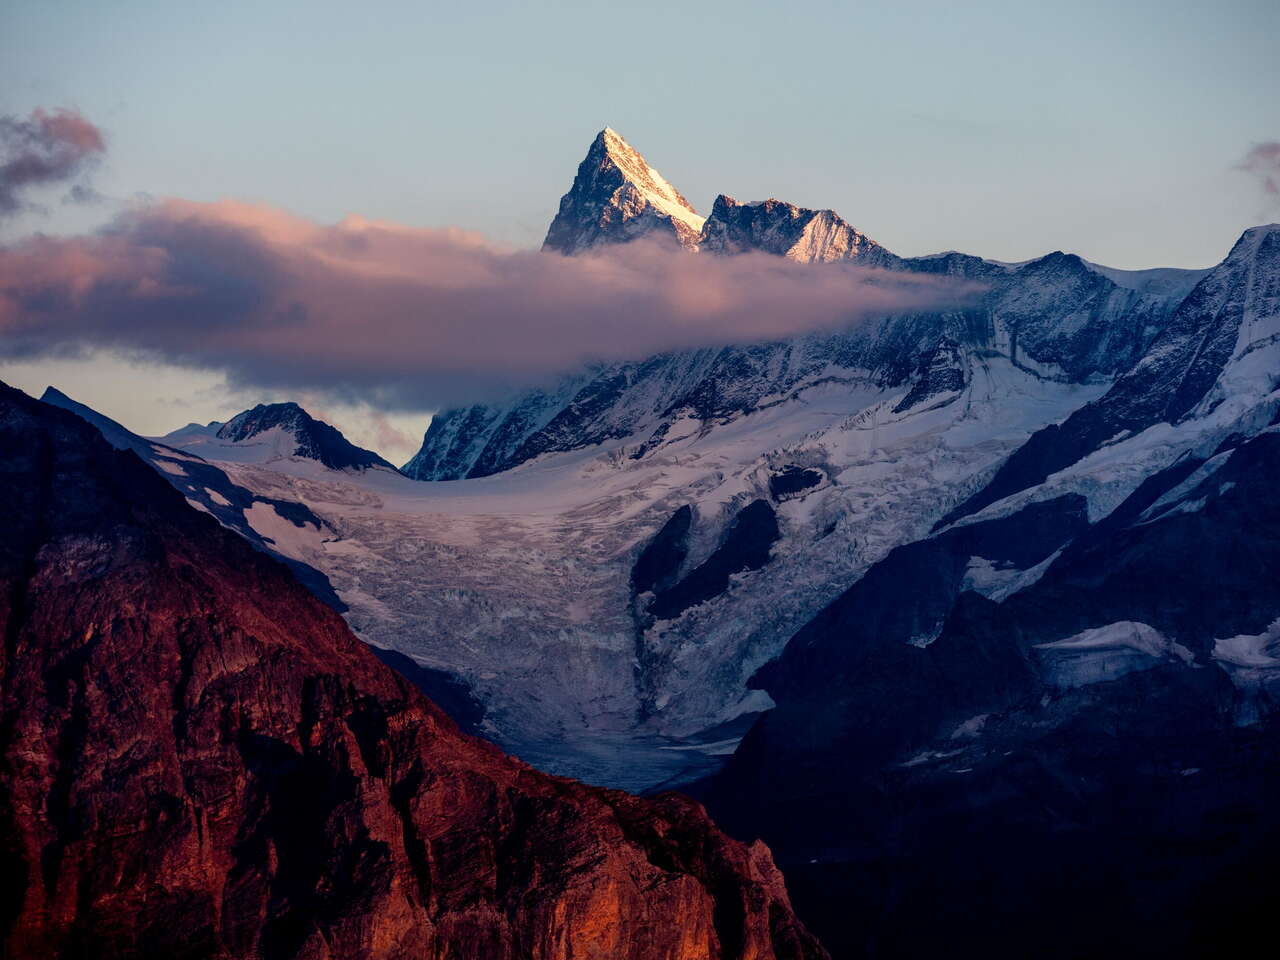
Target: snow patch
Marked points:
1105	653
298	543
972	727
168	466
1245	650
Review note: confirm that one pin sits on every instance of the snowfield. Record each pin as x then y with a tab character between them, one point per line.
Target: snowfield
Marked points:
519	583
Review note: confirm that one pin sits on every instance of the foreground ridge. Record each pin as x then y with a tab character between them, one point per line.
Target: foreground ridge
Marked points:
199	759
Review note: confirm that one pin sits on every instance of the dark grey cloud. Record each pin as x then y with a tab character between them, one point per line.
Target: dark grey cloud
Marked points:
406	317
43	149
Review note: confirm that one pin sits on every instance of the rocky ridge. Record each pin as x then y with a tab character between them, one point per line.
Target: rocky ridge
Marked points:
200	760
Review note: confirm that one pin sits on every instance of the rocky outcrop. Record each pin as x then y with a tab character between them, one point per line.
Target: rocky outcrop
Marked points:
198	759
1174	375
616	197
312	439
746	546
208	488
785	230
1031	714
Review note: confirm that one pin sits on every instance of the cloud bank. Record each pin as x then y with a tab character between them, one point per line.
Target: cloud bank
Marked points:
406	317
43	149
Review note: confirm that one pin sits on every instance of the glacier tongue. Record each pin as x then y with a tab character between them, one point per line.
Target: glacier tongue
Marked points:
520	582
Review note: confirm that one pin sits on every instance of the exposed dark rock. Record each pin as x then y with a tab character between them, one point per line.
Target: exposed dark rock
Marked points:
929	752
659	562
210	487
791	480
1173	376
745	547
316	440
198	759
783	229
448	692
942	371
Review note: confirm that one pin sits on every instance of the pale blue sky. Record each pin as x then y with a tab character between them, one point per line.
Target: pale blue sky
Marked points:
1002	129
1005	129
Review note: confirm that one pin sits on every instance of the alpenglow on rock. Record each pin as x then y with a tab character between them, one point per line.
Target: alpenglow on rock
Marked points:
200	760
774	226
617	197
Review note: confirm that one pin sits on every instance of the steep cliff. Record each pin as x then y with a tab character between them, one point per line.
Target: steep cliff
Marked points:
198	759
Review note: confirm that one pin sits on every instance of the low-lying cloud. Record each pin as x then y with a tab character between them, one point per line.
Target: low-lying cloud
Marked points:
406	317
1263	163
49	147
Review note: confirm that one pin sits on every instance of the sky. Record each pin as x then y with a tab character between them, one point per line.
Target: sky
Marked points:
1118	131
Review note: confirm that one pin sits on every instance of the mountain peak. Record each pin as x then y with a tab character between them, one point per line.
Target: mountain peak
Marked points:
306	436
1252	238
784	229
616	197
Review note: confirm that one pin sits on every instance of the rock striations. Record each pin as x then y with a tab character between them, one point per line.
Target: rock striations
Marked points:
772	226
198	759
617	197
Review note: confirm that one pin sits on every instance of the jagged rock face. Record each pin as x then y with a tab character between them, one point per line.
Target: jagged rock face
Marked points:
772	226
1056	317
1080	708
1074	682
1171	378
617	197
1065	319
312	439
200	760
208	488
745	547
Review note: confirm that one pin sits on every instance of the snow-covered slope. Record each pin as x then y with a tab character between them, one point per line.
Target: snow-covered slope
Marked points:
1212	363
1054	317
521	583
776	474
1166	281
1083	658
606	562
208	488
192	433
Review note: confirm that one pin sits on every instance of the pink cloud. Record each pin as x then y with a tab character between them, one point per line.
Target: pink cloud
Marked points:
46	148
404	316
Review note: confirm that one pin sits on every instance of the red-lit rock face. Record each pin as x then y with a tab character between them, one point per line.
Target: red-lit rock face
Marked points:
199	759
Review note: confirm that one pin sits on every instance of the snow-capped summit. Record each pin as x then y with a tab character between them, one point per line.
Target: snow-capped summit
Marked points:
271	431
617	197
774	226
193	433
1216	347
